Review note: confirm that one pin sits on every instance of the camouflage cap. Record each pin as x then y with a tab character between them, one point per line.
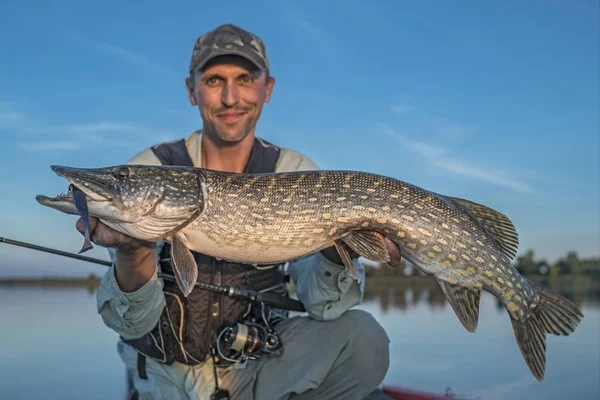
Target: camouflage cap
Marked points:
229	39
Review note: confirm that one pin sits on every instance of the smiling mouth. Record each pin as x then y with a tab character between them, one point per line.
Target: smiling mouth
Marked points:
232	117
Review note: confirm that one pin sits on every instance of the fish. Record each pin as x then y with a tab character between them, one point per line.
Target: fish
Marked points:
80	202
271	218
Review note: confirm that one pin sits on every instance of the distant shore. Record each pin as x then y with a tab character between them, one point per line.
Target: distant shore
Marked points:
577	282
371	283
91	281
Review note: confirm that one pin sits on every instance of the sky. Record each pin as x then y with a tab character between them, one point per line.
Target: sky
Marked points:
495	102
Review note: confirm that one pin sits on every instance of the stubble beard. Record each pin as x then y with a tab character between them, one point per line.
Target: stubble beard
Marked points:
225	137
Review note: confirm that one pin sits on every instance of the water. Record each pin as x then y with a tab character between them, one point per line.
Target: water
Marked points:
54	346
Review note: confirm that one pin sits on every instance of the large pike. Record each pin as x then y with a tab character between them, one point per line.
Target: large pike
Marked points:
277	217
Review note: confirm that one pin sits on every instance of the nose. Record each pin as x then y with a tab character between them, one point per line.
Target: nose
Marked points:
230	96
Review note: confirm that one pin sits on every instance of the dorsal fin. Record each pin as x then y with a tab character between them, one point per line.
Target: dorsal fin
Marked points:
497	226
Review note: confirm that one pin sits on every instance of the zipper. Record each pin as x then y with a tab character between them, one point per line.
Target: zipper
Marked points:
209	328
220	321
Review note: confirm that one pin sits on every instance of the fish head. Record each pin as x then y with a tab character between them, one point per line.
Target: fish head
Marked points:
143	201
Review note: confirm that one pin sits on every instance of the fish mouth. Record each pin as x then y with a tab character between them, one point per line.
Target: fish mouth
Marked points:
65	197
92	182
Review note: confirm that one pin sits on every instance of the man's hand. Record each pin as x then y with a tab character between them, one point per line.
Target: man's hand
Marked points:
395	254
104	236
135	259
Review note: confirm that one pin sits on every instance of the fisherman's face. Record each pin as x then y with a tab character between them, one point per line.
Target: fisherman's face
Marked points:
230	93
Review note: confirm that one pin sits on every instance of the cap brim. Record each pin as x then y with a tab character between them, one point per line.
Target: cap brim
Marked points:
260	65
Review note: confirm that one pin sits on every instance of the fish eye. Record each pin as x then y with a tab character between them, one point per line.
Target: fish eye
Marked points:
121	173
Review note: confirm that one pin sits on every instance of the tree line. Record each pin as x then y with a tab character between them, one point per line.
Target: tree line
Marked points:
570	264
526	264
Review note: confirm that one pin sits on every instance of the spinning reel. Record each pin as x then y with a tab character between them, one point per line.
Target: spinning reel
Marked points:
248	340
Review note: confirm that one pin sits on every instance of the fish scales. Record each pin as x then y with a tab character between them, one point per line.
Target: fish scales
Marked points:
277	217
307	211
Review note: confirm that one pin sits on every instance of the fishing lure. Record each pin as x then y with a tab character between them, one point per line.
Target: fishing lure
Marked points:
81	205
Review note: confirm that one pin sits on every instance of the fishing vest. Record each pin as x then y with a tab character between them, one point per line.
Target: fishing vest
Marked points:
189	326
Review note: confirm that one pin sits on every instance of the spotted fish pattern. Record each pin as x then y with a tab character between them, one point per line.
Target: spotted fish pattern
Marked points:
276	217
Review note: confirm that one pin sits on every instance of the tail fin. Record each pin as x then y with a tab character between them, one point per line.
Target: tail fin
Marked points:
554	314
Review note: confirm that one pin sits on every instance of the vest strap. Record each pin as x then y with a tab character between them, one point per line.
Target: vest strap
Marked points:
141	366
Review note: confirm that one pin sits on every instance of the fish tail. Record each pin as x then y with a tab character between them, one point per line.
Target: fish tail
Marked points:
553	314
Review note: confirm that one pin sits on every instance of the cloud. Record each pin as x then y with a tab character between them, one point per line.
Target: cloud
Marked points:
325	41
57	137
106	127
441	126
8	115
308	28
57	145
402	109
476	172
86	141
179	113
425	149
450	129
437	157
119	52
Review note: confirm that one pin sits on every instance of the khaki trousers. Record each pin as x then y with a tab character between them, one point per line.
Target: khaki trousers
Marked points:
346	358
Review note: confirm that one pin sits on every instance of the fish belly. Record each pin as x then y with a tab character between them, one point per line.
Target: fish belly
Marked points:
258	250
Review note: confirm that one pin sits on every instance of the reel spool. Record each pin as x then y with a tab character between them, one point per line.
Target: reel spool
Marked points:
248	340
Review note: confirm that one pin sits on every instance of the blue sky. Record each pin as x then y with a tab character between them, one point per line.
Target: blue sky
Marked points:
497	102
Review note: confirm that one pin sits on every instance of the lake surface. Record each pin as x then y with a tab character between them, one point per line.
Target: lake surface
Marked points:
55	346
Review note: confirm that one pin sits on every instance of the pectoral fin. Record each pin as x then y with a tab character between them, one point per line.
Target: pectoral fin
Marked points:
184	265
342	249
464	301
369	244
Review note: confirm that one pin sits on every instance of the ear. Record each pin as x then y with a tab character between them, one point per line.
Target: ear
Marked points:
270	84
190	90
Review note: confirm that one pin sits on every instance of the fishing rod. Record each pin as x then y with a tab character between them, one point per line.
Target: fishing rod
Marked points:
247	294
54	251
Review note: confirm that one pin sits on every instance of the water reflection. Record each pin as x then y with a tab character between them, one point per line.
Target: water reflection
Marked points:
404	293
430	350
90	284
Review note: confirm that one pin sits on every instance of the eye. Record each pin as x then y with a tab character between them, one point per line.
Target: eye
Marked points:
212	81
121	173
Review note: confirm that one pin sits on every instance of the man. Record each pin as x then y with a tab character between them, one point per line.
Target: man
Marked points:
169	340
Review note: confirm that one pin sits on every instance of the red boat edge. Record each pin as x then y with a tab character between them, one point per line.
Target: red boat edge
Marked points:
401	393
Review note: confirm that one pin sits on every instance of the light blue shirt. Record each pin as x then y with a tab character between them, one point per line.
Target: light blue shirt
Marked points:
326	289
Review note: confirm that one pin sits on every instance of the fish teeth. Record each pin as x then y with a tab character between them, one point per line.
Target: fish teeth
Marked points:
63	194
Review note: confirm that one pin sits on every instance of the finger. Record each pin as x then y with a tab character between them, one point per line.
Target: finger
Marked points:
79	225
92	222
395	254
105	236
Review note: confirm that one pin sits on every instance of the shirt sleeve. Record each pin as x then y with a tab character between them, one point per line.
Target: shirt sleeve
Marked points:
326	289
131	315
